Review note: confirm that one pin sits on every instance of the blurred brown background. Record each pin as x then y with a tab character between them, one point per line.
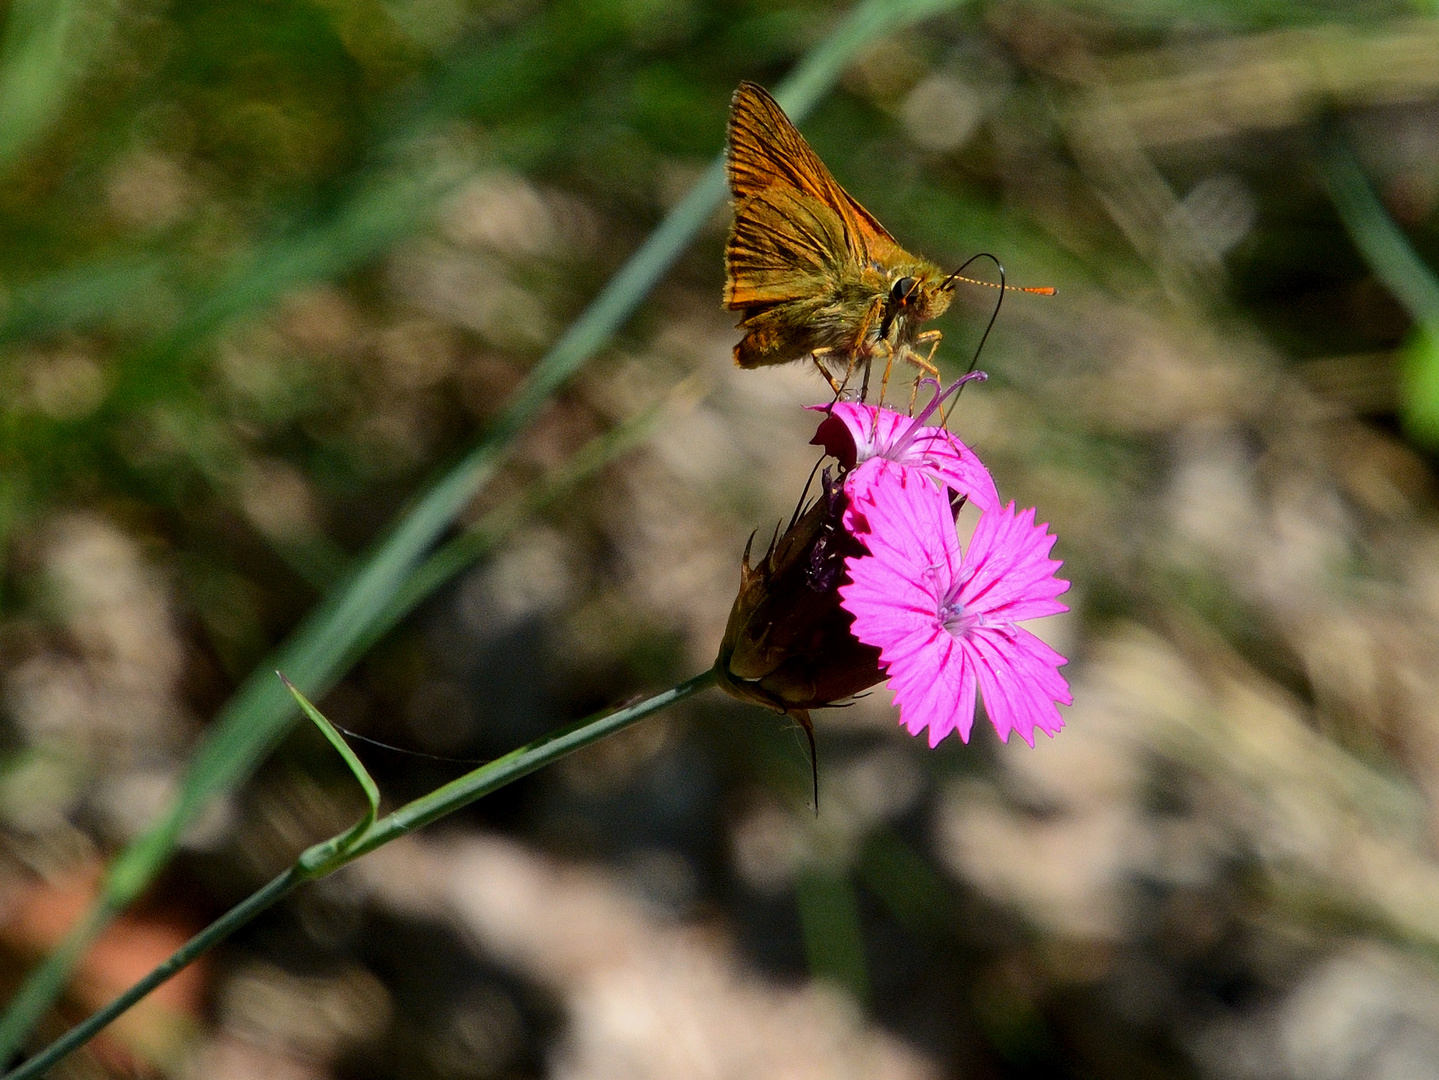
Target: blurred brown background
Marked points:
266	268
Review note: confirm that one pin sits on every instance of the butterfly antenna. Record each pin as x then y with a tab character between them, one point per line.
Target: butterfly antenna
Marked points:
958	275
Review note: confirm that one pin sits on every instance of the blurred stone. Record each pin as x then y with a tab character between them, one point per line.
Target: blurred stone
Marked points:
68	386
416	354
941	113
1363	1012
278	500
1218	213
113	690
150	191
768	846
529	577
308	1017
644	999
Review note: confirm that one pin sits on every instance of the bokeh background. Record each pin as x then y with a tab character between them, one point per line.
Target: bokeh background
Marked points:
267	268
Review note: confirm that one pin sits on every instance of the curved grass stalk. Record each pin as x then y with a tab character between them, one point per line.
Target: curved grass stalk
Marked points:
327	857
319	650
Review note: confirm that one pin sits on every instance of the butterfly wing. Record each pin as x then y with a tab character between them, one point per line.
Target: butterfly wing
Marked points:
784	246
784	262
767	152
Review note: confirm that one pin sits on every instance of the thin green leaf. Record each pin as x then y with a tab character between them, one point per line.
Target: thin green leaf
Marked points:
1394	261
1381	242
1419	385
48	44
367	783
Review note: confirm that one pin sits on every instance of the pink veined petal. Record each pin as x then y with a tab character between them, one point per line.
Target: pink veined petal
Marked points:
901	593
886	618
902	518
1020	683
889	613
855	433
934	686
941	455
895	594
1009	573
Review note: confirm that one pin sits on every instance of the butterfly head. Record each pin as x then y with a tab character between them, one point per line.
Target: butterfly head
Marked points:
914	297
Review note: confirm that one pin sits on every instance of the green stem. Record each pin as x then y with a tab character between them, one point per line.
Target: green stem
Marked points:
1382	243
516	764
327	857
216	932
49	980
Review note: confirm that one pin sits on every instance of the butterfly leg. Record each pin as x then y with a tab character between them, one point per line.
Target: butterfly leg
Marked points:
888	351
860	347
926	366
817	356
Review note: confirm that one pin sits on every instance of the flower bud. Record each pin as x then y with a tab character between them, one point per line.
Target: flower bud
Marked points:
788	645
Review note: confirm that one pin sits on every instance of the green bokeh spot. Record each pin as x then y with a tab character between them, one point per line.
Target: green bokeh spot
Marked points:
1419	386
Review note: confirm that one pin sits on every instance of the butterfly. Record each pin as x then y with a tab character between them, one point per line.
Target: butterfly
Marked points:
813	272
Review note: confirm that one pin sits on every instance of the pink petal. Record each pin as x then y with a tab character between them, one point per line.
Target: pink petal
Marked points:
940	455
856	433
1020	683
1010	575
895	511
897	594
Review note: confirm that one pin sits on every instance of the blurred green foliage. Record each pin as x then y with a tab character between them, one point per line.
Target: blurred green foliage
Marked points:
267	270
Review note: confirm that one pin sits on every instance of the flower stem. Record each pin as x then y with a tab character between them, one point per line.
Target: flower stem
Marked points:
327	857
512	766
182	957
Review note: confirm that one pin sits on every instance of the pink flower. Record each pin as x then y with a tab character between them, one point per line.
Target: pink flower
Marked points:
857	434
945	621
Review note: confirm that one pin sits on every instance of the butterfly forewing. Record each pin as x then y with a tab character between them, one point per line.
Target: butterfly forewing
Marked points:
767	152
812	271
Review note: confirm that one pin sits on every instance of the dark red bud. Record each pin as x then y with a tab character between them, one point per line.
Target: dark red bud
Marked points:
788	644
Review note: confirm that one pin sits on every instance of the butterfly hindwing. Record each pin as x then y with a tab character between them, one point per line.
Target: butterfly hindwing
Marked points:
783	246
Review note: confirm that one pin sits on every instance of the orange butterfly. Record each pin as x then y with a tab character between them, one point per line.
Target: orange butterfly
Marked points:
814	273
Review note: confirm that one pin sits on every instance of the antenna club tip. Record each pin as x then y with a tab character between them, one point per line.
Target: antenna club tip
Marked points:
1042	290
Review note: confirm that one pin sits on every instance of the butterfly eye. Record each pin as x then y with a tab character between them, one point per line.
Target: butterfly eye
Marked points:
902	288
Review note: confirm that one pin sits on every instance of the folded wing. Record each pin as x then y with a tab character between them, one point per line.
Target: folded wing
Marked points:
767	152
783	246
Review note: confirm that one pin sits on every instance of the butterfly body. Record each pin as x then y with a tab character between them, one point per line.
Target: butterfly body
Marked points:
813	273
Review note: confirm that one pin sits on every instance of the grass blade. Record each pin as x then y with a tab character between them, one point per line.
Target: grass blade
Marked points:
1395	262
47	45
357	769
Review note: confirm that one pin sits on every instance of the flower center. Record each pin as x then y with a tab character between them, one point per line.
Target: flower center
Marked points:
956	620
959	621
950	612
